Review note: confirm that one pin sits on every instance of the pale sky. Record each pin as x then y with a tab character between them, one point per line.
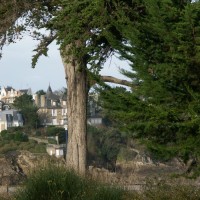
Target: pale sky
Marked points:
16	70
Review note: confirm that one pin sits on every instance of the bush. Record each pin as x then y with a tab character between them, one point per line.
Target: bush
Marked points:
52	141
4	133
104	145
18	136
57	131
7	135
15	129
32	146
55	183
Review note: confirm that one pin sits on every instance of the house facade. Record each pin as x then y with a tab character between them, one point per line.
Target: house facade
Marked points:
4	106
56	150
8	94
10	118
52	109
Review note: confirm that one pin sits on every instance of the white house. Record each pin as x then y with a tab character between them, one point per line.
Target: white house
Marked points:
8	94
10	118
58	150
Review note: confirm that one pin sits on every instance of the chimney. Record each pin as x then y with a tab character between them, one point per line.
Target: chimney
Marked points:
42	99
37	100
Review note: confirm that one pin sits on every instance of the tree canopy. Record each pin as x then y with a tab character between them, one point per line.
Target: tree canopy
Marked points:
164	48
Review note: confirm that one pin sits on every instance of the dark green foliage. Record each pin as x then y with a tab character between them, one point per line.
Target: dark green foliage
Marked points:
15	136
4	134
26	105
57	131
163	106
21	137
104	145
15	128
52	141
40	92
11	145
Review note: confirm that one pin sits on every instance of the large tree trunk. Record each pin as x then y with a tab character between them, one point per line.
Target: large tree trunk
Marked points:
76	78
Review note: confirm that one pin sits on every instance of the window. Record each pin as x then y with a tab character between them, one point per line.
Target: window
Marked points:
64	111
54	121
54	112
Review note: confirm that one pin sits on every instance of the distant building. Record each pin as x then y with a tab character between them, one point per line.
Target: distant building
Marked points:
10	118
8	94
95	120
52	108
56	150
94	117
4	106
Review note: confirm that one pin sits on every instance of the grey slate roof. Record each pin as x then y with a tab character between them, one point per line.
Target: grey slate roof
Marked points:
11	115
51	95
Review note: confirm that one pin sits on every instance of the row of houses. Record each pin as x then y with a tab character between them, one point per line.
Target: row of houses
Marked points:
8	94
52	108
52	111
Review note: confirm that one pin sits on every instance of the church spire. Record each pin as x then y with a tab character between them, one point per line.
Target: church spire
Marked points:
49	90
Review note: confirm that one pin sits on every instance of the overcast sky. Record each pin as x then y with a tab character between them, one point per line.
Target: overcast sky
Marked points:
16	71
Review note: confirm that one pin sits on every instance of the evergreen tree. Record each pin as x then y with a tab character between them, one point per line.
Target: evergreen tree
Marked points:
164	49
26	105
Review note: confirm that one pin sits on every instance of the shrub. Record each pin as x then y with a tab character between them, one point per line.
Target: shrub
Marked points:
15	129
52	141
55	183
4	133
59	131
19	136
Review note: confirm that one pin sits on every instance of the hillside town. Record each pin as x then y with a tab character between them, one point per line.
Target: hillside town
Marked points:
52	108
52	111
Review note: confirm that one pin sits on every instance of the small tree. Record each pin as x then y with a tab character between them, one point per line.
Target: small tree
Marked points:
29	111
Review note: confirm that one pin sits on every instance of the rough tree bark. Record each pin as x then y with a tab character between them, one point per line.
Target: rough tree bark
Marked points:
76	78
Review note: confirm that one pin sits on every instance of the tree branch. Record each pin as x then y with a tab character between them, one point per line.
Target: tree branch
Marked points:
115	80
112	79
42	48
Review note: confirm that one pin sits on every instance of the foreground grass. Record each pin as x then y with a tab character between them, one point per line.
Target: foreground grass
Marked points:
56	183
